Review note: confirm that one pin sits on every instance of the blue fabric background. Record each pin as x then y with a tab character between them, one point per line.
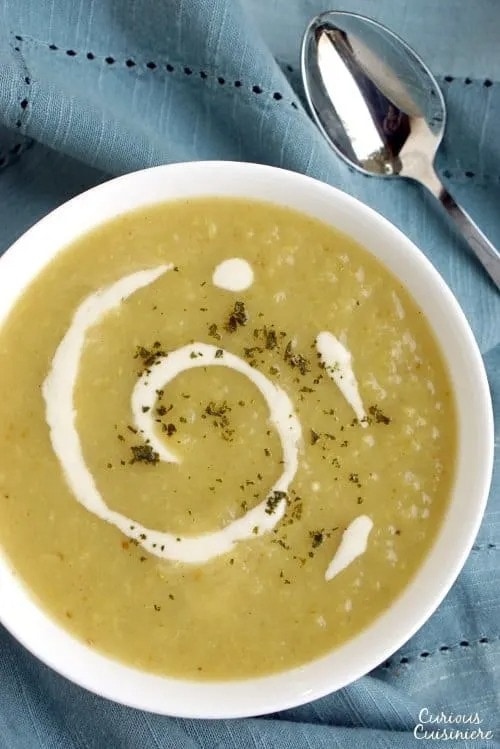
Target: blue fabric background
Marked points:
94	88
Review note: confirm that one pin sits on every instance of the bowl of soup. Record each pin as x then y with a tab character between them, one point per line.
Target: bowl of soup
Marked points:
247	441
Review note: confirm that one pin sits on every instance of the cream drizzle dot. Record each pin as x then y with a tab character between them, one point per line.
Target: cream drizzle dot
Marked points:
234	274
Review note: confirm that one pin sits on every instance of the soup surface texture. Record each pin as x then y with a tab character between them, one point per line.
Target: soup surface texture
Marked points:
227	438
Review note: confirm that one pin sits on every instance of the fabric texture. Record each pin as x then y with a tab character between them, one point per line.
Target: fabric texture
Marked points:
94	88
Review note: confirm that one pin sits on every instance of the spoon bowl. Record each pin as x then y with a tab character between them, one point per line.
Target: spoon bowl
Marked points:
381	109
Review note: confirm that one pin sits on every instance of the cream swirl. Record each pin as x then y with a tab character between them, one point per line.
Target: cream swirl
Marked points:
58	392
338	364
354	543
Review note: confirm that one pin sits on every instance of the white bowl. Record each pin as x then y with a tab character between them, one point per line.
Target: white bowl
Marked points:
58	649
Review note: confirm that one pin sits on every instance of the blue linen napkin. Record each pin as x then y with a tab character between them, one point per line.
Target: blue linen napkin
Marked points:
94	88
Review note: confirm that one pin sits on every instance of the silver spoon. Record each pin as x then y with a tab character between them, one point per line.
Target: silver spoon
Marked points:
381	109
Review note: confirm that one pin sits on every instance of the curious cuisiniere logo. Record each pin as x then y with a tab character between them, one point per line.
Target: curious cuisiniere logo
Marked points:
450	727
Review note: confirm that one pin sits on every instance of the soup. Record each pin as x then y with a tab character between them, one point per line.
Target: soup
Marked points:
228	441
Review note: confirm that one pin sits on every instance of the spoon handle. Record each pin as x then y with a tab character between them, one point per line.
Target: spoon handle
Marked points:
481	246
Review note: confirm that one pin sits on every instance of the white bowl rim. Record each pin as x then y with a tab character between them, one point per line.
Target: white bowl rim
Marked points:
43	637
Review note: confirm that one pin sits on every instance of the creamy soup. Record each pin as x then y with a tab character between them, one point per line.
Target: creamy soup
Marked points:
227	438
